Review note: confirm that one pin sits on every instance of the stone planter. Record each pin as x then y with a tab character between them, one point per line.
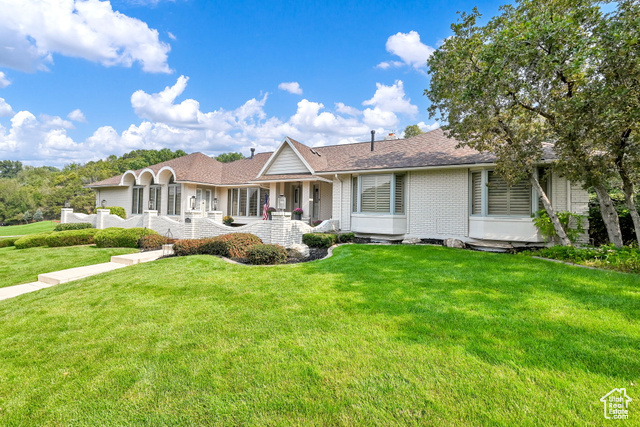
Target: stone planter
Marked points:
297	216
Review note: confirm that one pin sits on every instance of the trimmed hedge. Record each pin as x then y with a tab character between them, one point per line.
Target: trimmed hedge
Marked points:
319	240
9	241
72	226
266	254
234	245
32	240
153	242
346	237
71	238
116	237
117	210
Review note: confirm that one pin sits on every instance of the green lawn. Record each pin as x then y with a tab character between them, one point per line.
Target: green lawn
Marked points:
23	265
375	335
20	230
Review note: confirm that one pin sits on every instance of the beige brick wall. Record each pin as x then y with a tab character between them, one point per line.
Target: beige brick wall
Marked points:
437	205
117	196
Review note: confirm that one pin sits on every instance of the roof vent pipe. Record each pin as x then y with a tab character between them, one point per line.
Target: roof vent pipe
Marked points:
253	150
373	134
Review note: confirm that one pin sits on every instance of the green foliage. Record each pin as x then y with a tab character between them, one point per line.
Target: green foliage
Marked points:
116	237
71	237
571	224
186	247
32	240
27	216
38	216
117	210
152	242
229	157
10	168
597	230
346	237
72	226
412	130
624	259
319	240
228	220
8	241
267	254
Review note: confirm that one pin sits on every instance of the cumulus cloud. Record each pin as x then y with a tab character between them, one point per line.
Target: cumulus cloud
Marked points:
169	122
32	31
4	81
5	109
409	48
77	116
291	87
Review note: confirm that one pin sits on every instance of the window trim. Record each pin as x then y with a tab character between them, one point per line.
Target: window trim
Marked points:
137	208
392	195
484	201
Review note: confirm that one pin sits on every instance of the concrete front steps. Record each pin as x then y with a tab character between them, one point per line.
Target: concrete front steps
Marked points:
55	278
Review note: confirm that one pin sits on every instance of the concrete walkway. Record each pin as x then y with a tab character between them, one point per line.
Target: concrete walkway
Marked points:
51	279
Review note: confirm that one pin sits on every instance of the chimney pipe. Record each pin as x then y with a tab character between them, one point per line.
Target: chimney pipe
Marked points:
373	134
253	150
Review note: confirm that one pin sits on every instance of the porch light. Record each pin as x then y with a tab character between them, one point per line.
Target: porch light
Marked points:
103	203
67	204
282	202
193	203
215	203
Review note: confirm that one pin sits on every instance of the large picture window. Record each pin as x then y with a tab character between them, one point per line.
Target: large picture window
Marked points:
245	201
174	198
379	193
155	197
499	198
136	205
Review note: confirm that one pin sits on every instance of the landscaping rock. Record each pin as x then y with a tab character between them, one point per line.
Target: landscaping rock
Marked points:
411	241
299	251
454	243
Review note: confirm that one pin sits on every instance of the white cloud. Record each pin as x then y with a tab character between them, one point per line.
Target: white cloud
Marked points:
4	81
167	123
427	128
291	87
409	48
171	36
32	31
5	109
77	116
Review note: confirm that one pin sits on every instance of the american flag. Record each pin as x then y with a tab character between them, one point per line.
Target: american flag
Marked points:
265	214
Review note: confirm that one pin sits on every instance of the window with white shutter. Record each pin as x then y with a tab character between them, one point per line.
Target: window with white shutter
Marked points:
505	200
476	193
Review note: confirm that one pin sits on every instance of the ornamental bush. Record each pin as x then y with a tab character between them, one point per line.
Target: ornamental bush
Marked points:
116	237
152	242
319	240
8	241
117	210
346	237
72	226
71	238
234	245
32	240
266	254
185	247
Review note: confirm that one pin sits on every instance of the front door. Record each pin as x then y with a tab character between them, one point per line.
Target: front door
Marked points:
295	196
316	201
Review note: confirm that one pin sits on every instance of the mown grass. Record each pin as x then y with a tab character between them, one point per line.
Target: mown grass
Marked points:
23	265
376	335
33	228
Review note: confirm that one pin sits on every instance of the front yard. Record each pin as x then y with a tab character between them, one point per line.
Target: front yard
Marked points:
375	335
33	228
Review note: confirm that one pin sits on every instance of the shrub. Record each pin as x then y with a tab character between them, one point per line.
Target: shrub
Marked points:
72	226
71	238
622	259
571	224
117	210
316	223
186	247
152	242
32	240
9	241
319	240
266	254
38	216
234	245
346	237
116	237
228	220
597	230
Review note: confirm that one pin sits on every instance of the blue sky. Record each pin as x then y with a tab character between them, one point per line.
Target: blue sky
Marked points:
80	80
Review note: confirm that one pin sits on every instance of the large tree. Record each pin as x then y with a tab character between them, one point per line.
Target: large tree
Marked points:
538	65
412	130
229	157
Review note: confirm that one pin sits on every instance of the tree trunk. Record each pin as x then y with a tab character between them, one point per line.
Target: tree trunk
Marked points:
609	215
562	235
627	188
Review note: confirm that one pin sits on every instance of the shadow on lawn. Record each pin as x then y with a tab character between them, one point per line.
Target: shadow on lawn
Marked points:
503	309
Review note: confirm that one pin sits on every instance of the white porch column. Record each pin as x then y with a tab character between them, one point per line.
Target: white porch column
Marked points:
147	218
305	201
101	215
281	229
273	193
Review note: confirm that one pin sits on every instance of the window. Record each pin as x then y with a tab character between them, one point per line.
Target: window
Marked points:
383	193
174	199
505	200
245	201
207	200
476	193
155	194
136	206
